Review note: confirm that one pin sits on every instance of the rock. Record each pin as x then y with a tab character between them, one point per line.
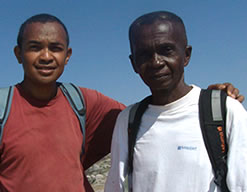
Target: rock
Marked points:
97	174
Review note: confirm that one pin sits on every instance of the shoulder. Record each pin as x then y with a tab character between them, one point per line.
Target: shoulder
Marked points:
123	116
121	126
89	92
100	103
234	106
126	111
236	117
94	96
236	113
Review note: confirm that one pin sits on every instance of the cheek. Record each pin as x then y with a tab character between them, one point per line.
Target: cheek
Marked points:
61	58
170	59
175	63
142	69
29	58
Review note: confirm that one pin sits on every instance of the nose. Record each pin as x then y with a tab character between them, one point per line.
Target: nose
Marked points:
157	60
45	56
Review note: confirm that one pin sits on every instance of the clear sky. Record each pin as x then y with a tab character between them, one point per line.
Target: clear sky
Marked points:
216	29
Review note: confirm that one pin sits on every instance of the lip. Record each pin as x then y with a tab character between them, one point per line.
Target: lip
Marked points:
45	70
160	75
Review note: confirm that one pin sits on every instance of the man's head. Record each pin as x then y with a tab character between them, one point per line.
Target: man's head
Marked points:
42	49
159	50
40	18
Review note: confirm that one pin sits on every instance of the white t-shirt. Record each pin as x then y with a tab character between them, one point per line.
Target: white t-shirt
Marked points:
170	154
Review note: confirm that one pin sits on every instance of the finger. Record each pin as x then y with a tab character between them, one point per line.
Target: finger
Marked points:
232	91
227	84
217	86
240	98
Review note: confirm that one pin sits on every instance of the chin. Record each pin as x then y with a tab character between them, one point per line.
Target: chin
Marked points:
163	89
46	81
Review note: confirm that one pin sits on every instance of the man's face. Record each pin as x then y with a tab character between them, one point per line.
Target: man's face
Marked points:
43	52
159	54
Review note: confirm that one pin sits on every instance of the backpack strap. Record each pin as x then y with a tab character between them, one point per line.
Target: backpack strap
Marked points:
135	115
76	100
6	95
212	112
71	92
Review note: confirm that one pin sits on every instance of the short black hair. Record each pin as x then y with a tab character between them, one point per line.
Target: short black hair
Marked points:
41	18
151	18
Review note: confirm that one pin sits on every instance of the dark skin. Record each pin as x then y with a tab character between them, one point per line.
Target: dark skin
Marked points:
159	55
43	54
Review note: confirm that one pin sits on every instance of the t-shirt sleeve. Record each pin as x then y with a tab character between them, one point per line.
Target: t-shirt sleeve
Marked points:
101	115
119	154
237	141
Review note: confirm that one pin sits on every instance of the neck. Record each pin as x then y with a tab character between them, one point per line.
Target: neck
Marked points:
163	97
44	92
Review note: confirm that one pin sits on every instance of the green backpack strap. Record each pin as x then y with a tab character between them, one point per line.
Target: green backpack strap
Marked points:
135	115
212	111
76	100
6	95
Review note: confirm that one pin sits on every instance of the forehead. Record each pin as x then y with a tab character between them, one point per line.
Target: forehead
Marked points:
51	31
158	32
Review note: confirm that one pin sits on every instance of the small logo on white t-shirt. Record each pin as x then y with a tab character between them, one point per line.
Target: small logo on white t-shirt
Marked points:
190	148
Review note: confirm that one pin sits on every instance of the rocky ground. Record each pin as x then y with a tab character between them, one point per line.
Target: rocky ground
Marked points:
97	174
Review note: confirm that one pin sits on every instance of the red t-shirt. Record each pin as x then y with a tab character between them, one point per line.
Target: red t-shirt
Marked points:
41	143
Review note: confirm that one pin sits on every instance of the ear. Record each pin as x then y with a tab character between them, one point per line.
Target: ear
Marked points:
69	53
17	52
133	63
188	51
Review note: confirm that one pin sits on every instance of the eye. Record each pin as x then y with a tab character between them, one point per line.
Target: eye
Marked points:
166	50
56	48
34	47
143	56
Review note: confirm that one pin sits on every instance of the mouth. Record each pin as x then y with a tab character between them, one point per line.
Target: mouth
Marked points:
45	70
161	76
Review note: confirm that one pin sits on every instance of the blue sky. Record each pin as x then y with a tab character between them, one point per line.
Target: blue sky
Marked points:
216	29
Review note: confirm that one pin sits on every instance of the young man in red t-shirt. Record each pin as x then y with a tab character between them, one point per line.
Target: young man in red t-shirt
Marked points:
42	139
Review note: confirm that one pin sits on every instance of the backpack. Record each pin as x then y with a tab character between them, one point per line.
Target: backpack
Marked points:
212	113
71	92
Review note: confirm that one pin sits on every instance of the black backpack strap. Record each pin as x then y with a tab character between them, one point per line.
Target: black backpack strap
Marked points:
76	100
212	112
135	115
6	95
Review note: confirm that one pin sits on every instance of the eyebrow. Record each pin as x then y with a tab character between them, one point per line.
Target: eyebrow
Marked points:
33	42
52	43
57	44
